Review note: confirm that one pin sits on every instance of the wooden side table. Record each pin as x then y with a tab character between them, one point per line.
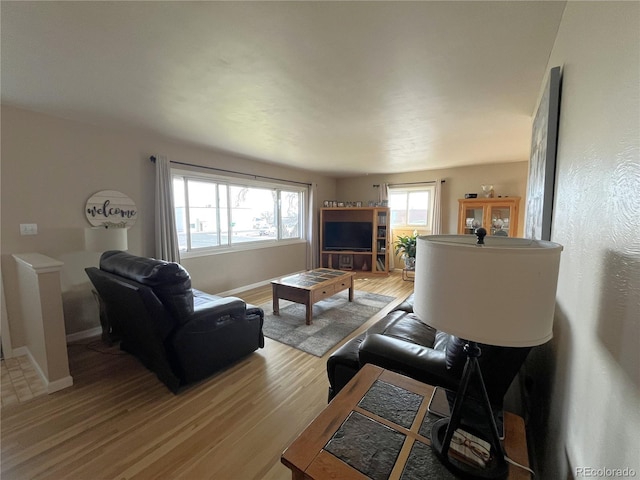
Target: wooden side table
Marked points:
377	428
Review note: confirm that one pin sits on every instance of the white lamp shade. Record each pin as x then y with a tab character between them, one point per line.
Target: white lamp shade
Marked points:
501	293
101	239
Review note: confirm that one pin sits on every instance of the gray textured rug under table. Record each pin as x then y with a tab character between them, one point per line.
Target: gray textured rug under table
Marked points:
334	319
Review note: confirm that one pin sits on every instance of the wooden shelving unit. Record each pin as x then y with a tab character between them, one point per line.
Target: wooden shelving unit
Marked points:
374	261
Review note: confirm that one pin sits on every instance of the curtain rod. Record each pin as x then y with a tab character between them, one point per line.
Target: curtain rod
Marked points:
153	159
410	183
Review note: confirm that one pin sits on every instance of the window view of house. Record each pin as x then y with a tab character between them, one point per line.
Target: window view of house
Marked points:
411	208
215	214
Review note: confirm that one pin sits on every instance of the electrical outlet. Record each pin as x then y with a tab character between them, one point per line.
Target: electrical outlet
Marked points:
28	229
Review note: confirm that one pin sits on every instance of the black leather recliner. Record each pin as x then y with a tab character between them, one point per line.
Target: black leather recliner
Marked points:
401	342
181	334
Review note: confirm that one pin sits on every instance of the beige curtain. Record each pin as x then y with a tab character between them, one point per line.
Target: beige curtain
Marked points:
436	221
166	235
383	193
312	231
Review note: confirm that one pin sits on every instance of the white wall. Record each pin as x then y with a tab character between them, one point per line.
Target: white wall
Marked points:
591	414
51	166
590	372
508	179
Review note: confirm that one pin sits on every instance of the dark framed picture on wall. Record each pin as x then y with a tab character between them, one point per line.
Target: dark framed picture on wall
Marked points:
542	164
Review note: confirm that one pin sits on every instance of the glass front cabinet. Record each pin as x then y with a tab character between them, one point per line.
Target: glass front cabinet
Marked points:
499	216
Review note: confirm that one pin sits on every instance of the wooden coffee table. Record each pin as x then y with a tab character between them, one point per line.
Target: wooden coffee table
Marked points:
377	428
311	287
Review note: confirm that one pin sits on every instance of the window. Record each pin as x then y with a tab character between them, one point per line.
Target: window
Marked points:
412	207
214	213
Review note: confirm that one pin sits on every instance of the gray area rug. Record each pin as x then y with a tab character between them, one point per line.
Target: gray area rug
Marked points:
334	318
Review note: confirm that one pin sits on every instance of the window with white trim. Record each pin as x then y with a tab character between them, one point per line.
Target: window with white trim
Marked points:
215	213
412	207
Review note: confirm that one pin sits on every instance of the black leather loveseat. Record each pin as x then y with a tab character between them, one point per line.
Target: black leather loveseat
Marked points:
179	333
401	342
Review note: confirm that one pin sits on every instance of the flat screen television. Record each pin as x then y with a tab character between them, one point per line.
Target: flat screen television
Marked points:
340	236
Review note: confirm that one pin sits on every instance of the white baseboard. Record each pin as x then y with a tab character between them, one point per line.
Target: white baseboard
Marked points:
16	352
36	366
57	385
92	332
234	291
51	387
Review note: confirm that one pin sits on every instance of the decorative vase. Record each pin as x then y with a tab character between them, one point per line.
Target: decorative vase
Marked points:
487	191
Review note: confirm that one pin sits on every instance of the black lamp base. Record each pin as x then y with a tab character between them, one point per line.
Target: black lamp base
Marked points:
443	430
496	468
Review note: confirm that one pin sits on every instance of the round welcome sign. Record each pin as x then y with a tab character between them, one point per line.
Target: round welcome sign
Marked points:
109	208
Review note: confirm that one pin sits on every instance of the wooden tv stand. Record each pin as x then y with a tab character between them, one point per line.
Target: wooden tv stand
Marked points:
373	261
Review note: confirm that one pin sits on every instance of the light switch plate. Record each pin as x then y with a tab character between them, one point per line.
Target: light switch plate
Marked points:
28	229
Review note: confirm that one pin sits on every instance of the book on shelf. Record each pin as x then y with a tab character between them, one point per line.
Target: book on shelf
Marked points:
380	264
469	448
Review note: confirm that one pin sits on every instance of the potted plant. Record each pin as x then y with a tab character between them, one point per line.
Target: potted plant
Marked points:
406	245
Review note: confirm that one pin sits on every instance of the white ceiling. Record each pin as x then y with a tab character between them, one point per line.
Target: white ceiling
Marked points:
334	87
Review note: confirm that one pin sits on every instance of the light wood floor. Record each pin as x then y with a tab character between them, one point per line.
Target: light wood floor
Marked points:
119	421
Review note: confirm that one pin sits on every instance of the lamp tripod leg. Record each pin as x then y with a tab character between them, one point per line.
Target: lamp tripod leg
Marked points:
456	413
486	404
499	467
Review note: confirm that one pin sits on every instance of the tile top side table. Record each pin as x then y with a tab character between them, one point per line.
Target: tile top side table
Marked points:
378	428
